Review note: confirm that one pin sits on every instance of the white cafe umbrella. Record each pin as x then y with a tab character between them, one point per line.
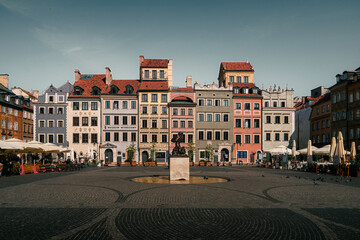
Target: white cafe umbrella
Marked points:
293	149
309	152
325	150
340	152
279	150
353	151
332	149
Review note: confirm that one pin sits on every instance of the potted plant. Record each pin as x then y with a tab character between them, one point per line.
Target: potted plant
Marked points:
191	150
202	163
127	163
130	154
151	162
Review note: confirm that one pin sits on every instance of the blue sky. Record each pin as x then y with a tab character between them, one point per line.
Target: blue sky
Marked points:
300	43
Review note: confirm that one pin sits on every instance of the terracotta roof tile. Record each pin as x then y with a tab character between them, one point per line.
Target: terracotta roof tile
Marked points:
186	89
153	85
241	85
97	80
237	66
121	84
161	63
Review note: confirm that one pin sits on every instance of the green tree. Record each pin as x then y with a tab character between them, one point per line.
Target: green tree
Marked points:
152	152
209	152
130	152
191	150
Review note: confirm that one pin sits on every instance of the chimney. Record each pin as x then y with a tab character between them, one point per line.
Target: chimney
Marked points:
108	76
170	72
141	59
4	80
189	81
77	75
35	93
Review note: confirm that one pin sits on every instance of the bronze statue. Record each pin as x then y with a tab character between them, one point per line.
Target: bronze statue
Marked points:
178	150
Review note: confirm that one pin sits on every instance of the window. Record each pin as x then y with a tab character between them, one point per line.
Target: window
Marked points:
238	79
94	105
209	117
201	117
85	106
9	125
125	137
75	138
201	135
93	121
201	102
124	121
154	110
209	102
42	138
162	75
237	105
60	111
226	117
247	139
190	124
144	97
41	123
116	136
247	106
41	111
51	138
144	124
286	119
133	104
154	98
164	138
238	139
256	123
226	135
75	121
268	137
154	74
190	138
231	79
277	119
182	111
266	104
107	137
163	98
116	105
182	124
208	135
175	124
256	139
144	138
328	123
238	123
51	98
107	120
242	154
190	112
226	103
50	109
236	90
286	137
125	104
85	138
175	111
282	104
133	137
144	110
133	120
246	79
85	121
60	123
163	124
217	117
256	106
147	75
94	138
247	123
217	102
154	124
277	136
274	104
153	138
116	120
107	104
163	110
60	138
61	98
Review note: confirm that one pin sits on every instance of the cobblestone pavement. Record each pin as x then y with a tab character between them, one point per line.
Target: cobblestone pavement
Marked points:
102	203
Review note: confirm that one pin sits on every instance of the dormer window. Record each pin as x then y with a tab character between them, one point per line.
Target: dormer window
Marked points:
129	89
245	90
254	90
236	90
78	91
114	89
95	91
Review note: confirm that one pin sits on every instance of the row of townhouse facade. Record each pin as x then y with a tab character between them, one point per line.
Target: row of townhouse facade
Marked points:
103	117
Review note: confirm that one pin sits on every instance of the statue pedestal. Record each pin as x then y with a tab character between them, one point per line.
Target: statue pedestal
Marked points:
179	168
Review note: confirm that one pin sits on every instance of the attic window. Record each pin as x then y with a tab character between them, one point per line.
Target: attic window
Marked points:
245	90
236	90
95	91
78	91
114	89
129	89
255	90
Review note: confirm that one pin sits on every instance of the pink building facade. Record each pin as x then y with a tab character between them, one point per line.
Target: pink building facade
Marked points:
247	104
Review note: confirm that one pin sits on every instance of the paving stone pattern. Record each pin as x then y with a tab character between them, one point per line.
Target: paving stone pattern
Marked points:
102	203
